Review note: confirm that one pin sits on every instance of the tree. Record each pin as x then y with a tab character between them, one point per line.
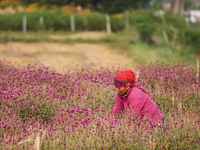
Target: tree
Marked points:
95	4
178	7
82	3
107	6
118	6
47	2
192	4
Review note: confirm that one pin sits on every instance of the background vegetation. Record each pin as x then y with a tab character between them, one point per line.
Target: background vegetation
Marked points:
165	29
146	34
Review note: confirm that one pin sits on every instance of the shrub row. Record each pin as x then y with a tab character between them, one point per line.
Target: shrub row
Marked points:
56	20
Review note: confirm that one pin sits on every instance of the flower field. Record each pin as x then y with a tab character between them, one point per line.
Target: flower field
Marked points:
44	109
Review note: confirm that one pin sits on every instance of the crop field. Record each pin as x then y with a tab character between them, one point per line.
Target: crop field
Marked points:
44	109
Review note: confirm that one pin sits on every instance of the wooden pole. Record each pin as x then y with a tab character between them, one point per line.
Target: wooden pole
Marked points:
127	20
24	24
41	21
108	26
197	67
72	23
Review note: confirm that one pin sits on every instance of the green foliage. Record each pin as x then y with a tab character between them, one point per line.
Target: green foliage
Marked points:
146	31
192	5
117	24
11	22
96	24
118	6
145	22
57	21
37	111
128	43
177	22
123	40
193	38
93	21
142	16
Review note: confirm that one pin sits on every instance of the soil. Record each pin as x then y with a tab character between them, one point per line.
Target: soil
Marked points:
58	55
83	35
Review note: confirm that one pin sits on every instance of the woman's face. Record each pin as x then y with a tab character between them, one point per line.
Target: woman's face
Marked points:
122	90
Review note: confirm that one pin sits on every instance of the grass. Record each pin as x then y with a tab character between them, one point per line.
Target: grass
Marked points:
144	52
48	36
159	49
123	42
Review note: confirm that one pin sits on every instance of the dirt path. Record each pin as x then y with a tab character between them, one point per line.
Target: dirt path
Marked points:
57	55
83	35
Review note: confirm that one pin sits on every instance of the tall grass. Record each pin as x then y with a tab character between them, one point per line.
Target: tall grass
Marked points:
146	53
70	110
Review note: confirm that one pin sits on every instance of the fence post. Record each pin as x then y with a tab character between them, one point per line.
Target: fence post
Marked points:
127	20
108	27
41	21
24	24
72	23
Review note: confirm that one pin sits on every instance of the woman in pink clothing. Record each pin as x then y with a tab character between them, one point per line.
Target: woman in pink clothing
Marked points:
134	99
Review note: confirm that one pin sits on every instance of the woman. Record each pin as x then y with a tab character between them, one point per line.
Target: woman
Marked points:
134	99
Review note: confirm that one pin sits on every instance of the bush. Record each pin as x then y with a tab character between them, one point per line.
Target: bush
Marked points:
117	24
96	24
177	22
146	31
55	20
11	22
142	16
145	22
193	38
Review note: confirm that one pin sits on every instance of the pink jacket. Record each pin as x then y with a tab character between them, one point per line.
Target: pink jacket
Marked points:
137	103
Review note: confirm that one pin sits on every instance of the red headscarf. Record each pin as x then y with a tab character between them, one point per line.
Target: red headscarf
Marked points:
124	78
127	78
